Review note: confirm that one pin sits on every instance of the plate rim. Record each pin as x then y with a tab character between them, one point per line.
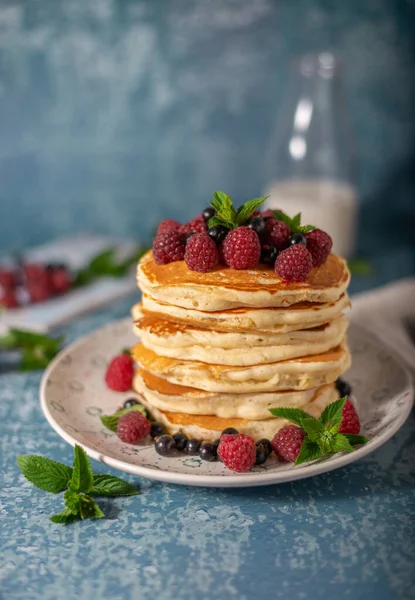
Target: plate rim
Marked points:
232	480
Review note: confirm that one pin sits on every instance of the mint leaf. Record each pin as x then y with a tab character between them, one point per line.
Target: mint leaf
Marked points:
72	501
307	228
89	508
295	415
111	421
44	473
82	477
341	444
64	517
309	451
296	222
331	416
109	485
355	440
293	223
224	207
107	264
246	210
360	267
218	221
313	428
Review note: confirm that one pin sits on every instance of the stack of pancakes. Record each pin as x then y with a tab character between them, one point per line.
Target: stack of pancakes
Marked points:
220	349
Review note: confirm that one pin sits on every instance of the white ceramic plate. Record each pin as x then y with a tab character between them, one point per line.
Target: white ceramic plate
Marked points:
74	395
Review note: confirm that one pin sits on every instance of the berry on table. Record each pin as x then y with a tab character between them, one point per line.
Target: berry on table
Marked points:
38	291
208	213
192	447
257	224
7	278
319	244
168	225
287	442
237	452
297	238
120	372
133	427
277	233
218	233
157	429
130	402
241	248
8	298
343	387
165	445
181	440
269	254
294	264
196	225
350	419
201	253
207	452
59	278
168	247
229	431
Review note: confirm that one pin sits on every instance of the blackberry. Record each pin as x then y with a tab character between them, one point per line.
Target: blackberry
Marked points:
165	445
180	439
207	451
157	429
218	233
269	254
208	213
261	455
130	402
257	224
230	431
192	447
297	238
266	444
343	387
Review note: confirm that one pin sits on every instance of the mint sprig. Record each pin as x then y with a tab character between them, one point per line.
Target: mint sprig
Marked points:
111	421
322	434
227	215
37	349
293	223
107	264
78	482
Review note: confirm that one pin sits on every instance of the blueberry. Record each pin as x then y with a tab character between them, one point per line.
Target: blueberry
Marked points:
265	444
297	238
267	218
180	439
157	429
188	236
261	455
230	431
269	254
208	213
218	233
343	387
207	451
257	224
215	445
165	445
130	402
192	447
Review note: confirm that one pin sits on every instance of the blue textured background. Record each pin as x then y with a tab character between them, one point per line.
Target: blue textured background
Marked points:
114	113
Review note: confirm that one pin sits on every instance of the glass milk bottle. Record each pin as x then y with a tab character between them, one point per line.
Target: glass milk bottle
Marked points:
309	162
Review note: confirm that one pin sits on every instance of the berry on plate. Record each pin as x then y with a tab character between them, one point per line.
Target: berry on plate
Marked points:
7	278
319	244
350	419
133	427
168	247
201	253
287	442
120	372
8	298
294	264
237	451
241	248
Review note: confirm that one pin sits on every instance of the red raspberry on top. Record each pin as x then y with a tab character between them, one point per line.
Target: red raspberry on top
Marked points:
294	264
120	372
197	225
133	427
350	419
319	244
168	247
241	248
277	233
168	225
287	442
201	253
237	452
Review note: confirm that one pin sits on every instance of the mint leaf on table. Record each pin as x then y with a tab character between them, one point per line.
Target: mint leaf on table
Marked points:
44	473
81	505
360	267
37	349
107	264
109	485
111	421
82	476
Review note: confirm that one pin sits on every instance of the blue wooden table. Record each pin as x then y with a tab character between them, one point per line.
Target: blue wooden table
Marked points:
345	534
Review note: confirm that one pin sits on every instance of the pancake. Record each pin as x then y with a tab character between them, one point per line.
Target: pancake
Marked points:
224	288
209	428
177	340
169	397
298	374
277	320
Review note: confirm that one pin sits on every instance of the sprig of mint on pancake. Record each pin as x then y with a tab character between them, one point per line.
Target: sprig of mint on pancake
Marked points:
78	482
293	223
322	434
226	213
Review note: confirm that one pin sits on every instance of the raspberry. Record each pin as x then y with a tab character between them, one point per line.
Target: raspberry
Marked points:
287	442
267	213
8	299
319	244
196	225
120	372
7	278
133	427
168	225
38	290
277	233
201	253
241	248
168	247
35	273
350	419
59	280
237	452
294	263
